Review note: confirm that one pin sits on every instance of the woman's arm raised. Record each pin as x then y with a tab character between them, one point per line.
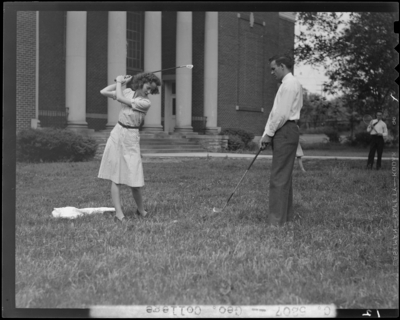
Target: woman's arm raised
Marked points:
120	95
109	91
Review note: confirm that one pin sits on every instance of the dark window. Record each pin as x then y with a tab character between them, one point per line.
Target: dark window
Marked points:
173	106
134	38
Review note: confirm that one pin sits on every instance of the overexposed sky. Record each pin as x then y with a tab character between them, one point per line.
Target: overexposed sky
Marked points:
312	77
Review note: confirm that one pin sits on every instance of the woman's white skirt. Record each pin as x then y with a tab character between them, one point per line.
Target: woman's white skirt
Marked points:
122	162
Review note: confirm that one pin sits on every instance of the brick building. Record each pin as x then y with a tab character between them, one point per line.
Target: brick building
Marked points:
64	58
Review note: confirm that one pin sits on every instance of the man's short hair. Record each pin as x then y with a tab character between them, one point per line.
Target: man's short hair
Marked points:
282	59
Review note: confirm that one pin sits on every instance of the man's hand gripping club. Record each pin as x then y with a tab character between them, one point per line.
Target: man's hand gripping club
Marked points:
265	142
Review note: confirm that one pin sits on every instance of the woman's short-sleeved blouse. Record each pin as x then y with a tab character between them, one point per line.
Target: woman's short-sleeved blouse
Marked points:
133	115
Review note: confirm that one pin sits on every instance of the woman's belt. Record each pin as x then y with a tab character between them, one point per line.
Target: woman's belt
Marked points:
128	127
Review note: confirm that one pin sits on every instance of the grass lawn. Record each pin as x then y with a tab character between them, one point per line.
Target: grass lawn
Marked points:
340	249
334	150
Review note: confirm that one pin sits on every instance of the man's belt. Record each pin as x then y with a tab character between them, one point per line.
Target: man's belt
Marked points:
128	127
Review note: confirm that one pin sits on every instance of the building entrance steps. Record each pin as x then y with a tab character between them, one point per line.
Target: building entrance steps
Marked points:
164	142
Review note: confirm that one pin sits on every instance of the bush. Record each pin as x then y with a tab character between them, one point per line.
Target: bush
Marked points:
317	130
252	146
53	145
332	134
362	139
391	141
244	136
235	143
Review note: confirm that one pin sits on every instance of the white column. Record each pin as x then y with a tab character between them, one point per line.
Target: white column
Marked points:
116	61
75	83
211	72
35	123
152	61
184	75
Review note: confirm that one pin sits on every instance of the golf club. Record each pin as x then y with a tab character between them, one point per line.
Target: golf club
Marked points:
189	66
216	210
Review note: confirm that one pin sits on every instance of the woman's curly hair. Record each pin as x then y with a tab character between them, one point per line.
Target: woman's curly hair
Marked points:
140	79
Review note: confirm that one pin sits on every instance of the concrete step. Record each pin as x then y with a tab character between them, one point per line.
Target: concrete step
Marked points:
160	148
165	141
147	137
161	143
181	143
171	146
167	136
160	134
156	141
144	151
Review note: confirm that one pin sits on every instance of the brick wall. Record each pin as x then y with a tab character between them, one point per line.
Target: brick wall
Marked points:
233	67
96	67
52	60
286	36
26	68
272	48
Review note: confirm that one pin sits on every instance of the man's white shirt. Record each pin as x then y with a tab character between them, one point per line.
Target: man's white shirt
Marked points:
287	104
380	127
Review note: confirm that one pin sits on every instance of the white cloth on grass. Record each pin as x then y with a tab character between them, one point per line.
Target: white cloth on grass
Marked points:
72	212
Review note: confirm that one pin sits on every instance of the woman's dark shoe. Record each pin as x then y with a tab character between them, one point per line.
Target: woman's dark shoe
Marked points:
118	220
145	213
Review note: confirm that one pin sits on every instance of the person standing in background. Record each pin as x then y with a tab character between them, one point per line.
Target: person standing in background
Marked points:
377	129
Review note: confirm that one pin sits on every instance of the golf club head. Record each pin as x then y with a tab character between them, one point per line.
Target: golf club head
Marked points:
216	210
189	66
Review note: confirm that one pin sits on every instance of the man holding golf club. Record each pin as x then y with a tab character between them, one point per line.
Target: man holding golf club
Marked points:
282	133
377	129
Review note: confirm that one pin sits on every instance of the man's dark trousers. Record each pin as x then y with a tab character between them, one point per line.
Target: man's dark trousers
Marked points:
377	143
284	144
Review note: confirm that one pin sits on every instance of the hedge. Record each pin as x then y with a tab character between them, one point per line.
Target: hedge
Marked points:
236	136
54	145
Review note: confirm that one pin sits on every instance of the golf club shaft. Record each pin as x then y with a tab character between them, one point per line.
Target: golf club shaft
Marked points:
162	70
167	69
243	177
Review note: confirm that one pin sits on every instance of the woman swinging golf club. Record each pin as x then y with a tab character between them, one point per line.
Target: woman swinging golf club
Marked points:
121	162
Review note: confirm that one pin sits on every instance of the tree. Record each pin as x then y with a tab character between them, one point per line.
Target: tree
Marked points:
357	53
339	113
315	109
